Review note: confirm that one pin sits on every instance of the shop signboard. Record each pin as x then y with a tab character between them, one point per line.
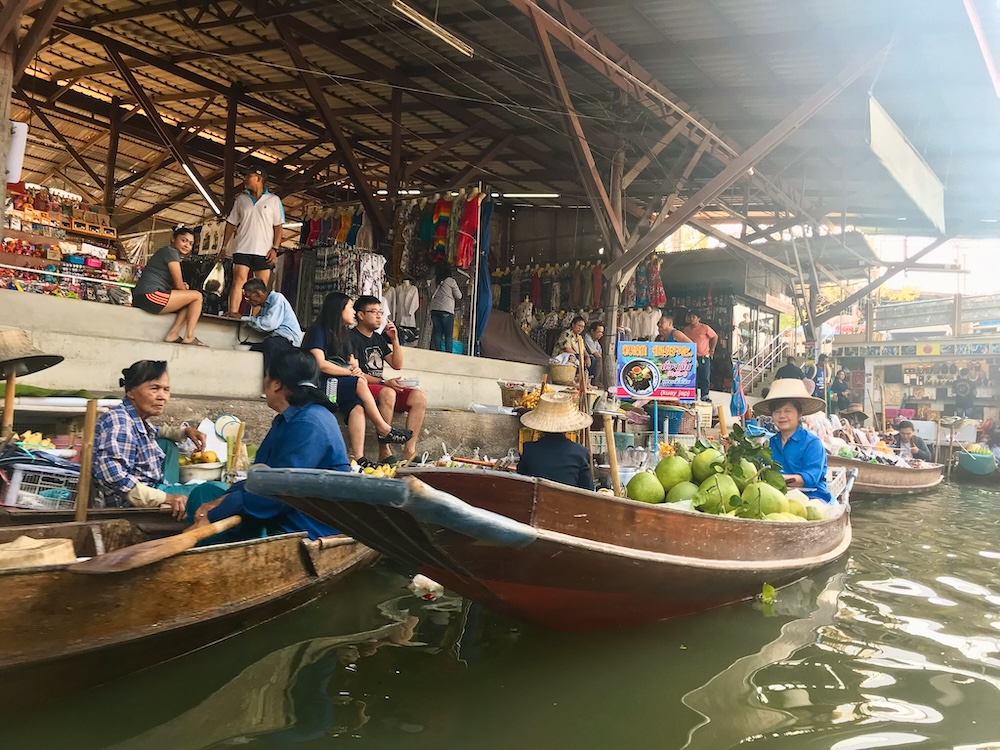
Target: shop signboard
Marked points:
657	370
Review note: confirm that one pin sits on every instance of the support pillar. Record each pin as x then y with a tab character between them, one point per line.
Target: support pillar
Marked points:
6	80
229	154
112	156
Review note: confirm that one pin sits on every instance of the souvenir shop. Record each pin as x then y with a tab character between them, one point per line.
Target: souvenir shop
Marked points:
53	243
336	251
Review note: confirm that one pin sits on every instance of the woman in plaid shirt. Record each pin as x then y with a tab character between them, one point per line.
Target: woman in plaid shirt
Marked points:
128	464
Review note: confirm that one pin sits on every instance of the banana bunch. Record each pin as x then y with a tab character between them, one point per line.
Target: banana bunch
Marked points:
530	398
381	471
33	438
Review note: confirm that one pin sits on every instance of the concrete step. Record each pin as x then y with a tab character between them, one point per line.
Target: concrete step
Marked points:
98	340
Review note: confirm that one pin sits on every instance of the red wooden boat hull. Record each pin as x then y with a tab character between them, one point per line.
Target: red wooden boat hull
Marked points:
563	558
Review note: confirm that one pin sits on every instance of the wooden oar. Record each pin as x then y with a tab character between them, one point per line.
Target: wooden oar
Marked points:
86	461
146	553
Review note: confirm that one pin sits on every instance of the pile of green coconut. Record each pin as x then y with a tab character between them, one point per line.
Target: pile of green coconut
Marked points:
743	482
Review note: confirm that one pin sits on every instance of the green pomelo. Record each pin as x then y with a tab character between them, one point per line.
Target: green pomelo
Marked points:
645	488
813	513
714	494
682	491
748	471
797	508
702	467
762	499
673	470
774	517
793	518
797	495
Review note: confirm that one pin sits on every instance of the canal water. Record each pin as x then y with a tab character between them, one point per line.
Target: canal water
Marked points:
897	645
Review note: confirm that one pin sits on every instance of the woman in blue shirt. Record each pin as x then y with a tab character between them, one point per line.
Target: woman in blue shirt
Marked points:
304	435
800	453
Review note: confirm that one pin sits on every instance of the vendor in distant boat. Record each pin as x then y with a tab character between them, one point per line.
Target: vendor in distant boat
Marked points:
128	462
800	453
304	435
910	445
554	456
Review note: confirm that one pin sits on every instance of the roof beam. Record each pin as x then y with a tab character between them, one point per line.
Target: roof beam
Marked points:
32	41
344	148
609	218
10	17
737	168
161	128
494	149
167	202
50	126
837	307
424	159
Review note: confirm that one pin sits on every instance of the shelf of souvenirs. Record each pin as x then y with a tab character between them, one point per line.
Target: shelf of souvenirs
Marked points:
57	218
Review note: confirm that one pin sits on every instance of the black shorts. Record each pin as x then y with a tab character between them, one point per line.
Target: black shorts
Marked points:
254	262
153	302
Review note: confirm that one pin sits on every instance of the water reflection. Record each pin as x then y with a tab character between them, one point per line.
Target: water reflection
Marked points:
896	646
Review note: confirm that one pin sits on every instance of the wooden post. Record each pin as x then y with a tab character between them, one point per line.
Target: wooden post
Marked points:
8	405
86	461
6	87
584	400
881	395
723	432
609	436
937	443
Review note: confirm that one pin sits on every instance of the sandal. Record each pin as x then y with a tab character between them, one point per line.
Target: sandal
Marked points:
395	436
365	463
194	342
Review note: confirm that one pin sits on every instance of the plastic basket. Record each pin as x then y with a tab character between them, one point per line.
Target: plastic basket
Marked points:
705	412
511	392
28	482
674	419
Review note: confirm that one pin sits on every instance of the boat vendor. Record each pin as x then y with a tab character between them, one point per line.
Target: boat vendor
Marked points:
304	435
554	456
854	415
800	453
128	463
909	444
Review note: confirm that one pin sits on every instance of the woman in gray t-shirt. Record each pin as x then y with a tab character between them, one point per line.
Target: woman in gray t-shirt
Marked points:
161	288
446	294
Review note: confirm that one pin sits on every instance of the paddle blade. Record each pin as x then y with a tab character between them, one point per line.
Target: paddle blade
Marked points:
146	553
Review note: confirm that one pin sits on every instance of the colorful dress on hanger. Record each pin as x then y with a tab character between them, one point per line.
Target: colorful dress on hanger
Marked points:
547	278
641	285
345	226
314	228
515	286
325	227
468	231
576	286
304	232
352	234
442	218
454	223
657	296
628	294
535	292
597	283
586	296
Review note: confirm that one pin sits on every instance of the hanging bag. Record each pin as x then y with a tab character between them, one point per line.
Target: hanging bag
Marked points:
218	273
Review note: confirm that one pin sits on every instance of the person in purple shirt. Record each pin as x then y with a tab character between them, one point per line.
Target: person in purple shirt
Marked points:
800	453
304	435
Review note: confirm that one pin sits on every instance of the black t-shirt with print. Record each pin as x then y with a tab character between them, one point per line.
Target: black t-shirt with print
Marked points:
371	351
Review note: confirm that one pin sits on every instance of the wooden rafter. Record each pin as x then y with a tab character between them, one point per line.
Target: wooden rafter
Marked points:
609	218
344	148
161	128
32	41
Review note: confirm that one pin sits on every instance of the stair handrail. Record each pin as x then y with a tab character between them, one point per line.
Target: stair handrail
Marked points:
764	360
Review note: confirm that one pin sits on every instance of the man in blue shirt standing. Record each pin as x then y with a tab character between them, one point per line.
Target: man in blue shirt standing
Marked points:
274	317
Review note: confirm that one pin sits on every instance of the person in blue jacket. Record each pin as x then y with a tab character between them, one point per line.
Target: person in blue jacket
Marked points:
554	456
800	453
304	435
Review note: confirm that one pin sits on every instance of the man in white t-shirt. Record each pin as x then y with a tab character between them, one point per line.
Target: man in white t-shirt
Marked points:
256	220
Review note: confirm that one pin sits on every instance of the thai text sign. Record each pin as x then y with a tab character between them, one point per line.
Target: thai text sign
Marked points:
657	370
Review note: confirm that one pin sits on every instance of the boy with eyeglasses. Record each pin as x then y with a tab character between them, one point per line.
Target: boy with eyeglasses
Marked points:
374	351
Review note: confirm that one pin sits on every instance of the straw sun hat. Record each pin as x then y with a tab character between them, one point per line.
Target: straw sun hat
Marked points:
556	412
789	389
854	410
18	353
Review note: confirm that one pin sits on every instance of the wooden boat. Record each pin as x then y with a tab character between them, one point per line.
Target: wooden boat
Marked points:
153	521
62	631
974	468
880	479
565	558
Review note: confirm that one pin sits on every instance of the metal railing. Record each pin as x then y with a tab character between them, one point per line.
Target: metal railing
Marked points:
769	355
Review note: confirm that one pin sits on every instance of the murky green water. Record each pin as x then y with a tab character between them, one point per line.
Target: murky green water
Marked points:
896	646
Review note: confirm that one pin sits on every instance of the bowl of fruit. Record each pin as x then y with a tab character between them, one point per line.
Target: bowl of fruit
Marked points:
201	467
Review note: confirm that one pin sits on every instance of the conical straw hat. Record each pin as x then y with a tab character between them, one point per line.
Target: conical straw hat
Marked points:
854	409
785	389
17	350
556	412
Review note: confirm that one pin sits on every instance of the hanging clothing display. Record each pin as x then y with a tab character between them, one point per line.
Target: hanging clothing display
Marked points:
597	283
468	231
441	220
657	295
641	285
